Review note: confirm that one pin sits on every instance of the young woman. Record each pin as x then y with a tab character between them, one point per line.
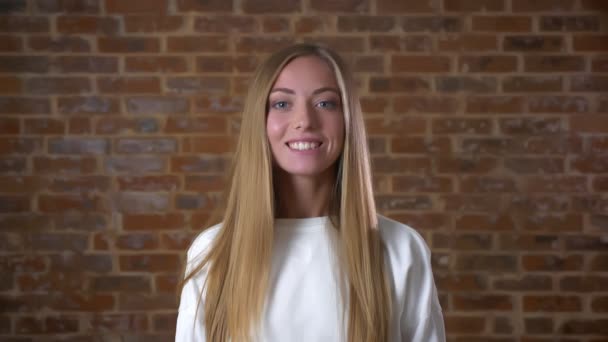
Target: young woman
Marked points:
301	254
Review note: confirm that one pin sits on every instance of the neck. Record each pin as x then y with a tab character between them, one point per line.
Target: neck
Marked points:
303	196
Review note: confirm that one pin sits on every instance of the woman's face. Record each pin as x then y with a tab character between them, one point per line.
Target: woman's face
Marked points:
305	122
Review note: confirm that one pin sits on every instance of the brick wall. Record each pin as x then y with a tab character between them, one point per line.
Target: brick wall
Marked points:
488	124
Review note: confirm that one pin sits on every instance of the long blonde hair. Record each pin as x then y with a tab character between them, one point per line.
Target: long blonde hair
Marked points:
239	259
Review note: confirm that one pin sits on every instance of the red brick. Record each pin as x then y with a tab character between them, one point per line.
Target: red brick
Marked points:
421	145
535	165
461	125
542	5
166	282
398	84
271	6
43	126
559	104
88	105
502	23
149	262
396	125
71	6
164	322
149	183
197	44
24	63
556	184
410	184
588	43
262	44
9	126
494	104
486	263
225	24
87	25
24	105
121	283
128	44
51	281
82	302
600	304
15	203
569	23
153	23
529	242
58	44
29	24
529	84
11	44
308	24
65	165
219	144
478	222
276	25
137	242
551	303
403	202
539	325
14	145
153	221
365	23
535	43
205	6
204	183
79	125
80	184
340	6
524	283
591	83
582	284
177	240
57	85
64	203
125	7
21	184
477	302
474	5
167	64
487	63
191	164
594	5
86	64
131	85
553	263
124	125
532	126
554	223
392	7
420	64
465	324
10	85
467	42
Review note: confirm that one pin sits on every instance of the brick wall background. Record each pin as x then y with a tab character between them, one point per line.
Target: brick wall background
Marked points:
488	124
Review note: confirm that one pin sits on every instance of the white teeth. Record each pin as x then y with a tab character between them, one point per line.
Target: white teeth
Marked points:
303	146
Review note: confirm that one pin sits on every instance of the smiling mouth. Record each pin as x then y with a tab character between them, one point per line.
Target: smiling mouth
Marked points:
304	146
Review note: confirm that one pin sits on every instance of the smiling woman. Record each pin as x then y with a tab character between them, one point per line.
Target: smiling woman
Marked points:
301	254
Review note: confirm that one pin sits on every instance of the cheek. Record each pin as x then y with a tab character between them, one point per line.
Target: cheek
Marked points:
274	129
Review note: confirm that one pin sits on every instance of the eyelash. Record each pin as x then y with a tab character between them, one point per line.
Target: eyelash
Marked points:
332	104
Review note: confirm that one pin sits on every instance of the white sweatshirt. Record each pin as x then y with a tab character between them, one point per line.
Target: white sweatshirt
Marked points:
304	301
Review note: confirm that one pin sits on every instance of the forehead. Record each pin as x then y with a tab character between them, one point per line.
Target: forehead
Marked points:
306	71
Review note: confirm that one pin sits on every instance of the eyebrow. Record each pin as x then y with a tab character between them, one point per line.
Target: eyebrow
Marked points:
317	91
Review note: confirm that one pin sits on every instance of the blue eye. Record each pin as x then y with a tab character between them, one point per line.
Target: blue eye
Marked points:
327	104
280	105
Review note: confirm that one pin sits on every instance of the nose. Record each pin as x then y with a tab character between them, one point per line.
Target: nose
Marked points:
304	117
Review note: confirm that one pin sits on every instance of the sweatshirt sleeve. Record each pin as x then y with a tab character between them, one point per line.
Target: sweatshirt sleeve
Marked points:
190	317
422	318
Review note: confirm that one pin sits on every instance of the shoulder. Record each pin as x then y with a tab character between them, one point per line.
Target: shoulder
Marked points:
200	245
402	241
